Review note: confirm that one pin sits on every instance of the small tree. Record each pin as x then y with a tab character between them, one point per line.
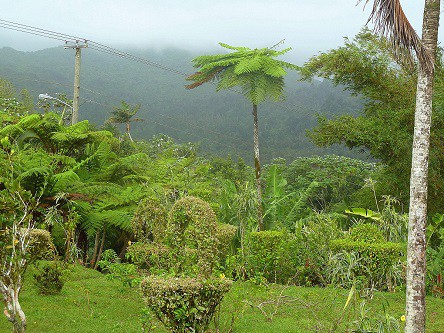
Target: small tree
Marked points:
258	75
124	115
17	224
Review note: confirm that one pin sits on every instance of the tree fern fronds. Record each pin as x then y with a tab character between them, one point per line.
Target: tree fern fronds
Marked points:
13	131
98	189
201	78
35	179
64	180
92	222
235	48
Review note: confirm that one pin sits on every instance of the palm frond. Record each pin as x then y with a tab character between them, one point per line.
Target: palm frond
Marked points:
390	20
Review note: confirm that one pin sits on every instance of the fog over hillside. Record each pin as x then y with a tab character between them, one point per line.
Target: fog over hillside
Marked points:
221	122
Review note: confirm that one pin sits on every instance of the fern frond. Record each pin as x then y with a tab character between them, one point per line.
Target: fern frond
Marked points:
235	48
61	182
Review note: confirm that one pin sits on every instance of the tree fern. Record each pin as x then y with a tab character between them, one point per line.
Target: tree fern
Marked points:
256	72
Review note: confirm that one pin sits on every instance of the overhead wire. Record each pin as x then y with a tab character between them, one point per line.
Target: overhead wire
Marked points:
115	52
105	49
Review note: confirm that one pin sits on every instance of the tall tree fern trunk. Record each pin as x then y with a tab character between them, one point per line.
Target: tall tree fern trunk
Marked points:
102	243
257	166
416	247
96	248
128	131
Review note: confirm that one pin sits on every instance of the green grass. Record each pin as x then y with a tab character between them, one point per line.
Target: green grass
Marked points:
91	303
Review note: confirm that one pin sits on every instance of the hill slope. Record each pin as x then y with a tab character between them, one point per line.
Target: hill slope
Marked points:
221	122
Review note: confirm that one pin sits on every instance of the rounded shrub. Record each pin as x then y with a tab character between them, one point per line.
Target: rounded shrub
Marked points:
151	256
50	277
274	255
149	221
225	234
184	304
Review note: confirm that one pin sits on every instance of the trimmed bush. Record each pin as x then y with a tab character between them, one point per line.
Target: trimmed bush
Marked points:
192	224
184	304
40	245
274	255
149	221
225	234
49	277
366	232
151	256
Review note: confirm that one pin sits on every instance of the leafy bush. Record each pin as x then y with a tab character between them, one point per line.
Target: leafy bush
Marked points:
40	246
184	304
318	232
108	257
127	273
151	256
149	221
376	259
275	255
225	234
192	224
366	232
50	277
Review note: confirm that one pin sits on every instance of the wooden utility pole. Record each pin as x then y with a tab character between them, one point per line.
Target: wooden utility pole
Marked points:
75	101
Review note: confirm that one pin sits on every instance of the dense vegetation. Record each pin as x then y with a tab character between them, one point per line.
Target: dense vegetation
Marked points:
179	229
219	122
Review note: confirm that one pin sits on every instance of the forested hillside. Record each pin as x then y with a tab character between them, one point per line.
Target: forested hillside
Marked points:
221	122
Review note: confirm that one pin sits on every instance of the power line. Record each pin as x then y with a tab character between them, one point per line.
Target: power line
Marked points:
106	49
41	32
112	51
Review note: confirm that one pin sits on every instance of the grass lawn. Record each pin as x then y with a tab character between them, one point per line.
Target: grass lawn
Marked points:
91	303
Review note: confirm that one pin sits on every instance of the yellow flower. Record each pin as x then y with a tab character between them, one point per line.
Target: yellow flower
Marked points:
402	318
129	242
222	276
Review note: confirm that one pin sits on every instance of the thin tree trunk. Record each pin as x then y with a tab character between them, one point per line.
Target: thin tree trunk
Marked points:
128	130
101	248
82	243
13	309
416	246
257	166
68	246
96	248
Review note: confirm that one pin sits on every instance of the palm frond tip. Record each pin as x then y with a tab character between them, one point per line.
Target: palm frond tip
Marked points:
390	20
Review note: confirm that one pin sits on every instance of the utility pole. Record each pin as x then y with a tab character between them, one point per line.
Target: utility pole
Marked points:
75	102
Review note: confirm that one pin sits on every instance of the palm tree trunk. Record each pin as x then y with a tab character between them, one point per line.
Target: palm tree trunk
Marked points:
257	166
416	246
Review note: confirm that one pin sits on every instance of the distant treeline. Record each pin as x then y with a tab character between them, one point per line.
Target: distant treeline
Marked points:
221	122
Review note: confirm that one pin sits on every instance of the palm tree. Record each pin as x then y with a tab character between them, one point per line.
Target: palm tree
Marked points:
124	115
389	19
258	75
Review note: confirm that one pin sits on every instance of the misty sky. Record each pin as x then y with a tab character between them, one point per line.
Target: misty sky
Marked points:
308	26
